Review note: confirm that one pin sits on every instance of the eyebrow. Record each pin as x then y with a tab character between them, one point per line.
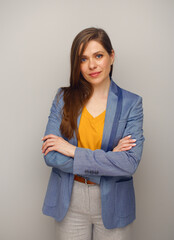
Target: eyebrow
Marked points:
93	53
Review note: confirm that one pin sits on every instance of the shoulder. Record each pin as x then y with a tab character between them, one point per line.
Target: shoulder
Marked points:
132	103
128	95
58	102
129	99
58	99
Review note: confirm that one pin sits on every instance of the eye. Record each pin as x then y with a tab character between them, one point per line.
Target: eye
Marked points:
98	56
83	60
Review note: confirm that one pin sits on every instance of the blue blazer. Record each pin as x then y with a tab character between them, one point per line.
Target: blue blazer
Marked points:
112	170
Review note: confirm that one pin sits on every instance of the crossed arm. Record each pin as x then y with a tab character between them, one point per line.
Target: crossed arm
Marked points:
58	144
121	161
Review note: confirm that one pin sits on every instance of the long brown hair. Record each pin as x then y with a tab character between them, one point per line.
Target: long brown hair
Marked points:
78	93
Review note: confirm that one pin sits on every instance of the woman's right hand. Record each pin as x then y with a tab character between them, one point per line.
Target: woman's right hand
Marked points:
125	144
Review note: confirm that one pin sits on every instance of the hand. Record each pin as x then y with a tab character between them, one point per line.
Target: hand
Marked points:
55	143
125	144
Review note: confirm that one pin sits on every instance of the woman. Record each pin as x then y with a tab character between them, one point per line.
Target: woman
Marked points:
90	144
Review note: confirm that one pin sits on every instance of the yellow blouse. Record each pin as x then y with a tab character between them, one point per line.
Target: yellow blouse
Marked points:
91	130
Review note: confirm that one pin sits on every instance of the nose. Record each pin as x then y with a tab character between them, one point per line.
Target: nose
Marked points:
92	64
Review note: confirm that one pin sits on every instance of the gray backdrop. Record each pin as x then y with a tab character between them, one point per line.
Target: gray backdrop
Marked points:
35	41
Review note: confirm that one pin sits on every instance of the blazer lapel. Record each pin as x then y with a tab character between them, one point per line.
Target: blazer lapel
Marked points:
74	139
111	111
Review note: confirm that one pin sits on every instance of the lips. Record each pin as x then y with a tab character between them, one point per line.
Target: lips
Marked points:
95	74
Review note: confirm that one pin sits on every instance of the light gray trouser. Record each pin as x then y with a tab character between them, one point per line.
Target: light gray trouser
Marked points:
83	220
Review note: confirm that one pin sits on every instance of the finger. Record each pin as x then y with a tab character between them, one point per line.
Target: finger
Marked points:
44	144
127	137
115	150
49	136
122	149
123	140
128	145
128	141
47	145
126	148
47	141
132	140
49	150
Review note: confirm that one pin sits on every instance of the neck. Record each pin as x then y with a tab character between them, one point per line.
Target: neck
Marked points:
102	89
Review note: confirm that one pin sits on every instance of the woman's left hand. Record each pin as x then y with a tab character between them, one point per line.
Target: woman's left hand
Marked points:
55	143
125	144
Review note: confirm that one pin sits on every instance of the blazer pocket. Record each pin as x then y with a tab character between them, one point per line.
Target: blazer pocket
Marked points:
53	189
125	198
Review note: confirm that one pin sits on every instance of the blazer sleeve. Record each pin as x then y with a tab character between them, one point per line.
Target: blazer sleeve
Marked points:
54	158
101	163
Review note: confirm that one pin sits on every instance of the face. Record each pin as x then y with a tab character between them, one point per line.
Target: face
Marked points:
96	63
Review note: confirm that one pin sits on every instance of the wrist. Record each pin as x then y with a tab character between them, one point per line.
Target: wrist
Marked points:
72	151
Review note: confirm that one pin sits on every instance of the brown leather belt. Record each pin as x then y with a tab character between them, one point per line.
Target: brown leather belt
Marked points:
82	180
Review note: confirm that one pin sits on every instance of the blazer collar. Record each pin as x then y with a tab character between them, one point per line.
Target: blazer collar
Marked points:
109	116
